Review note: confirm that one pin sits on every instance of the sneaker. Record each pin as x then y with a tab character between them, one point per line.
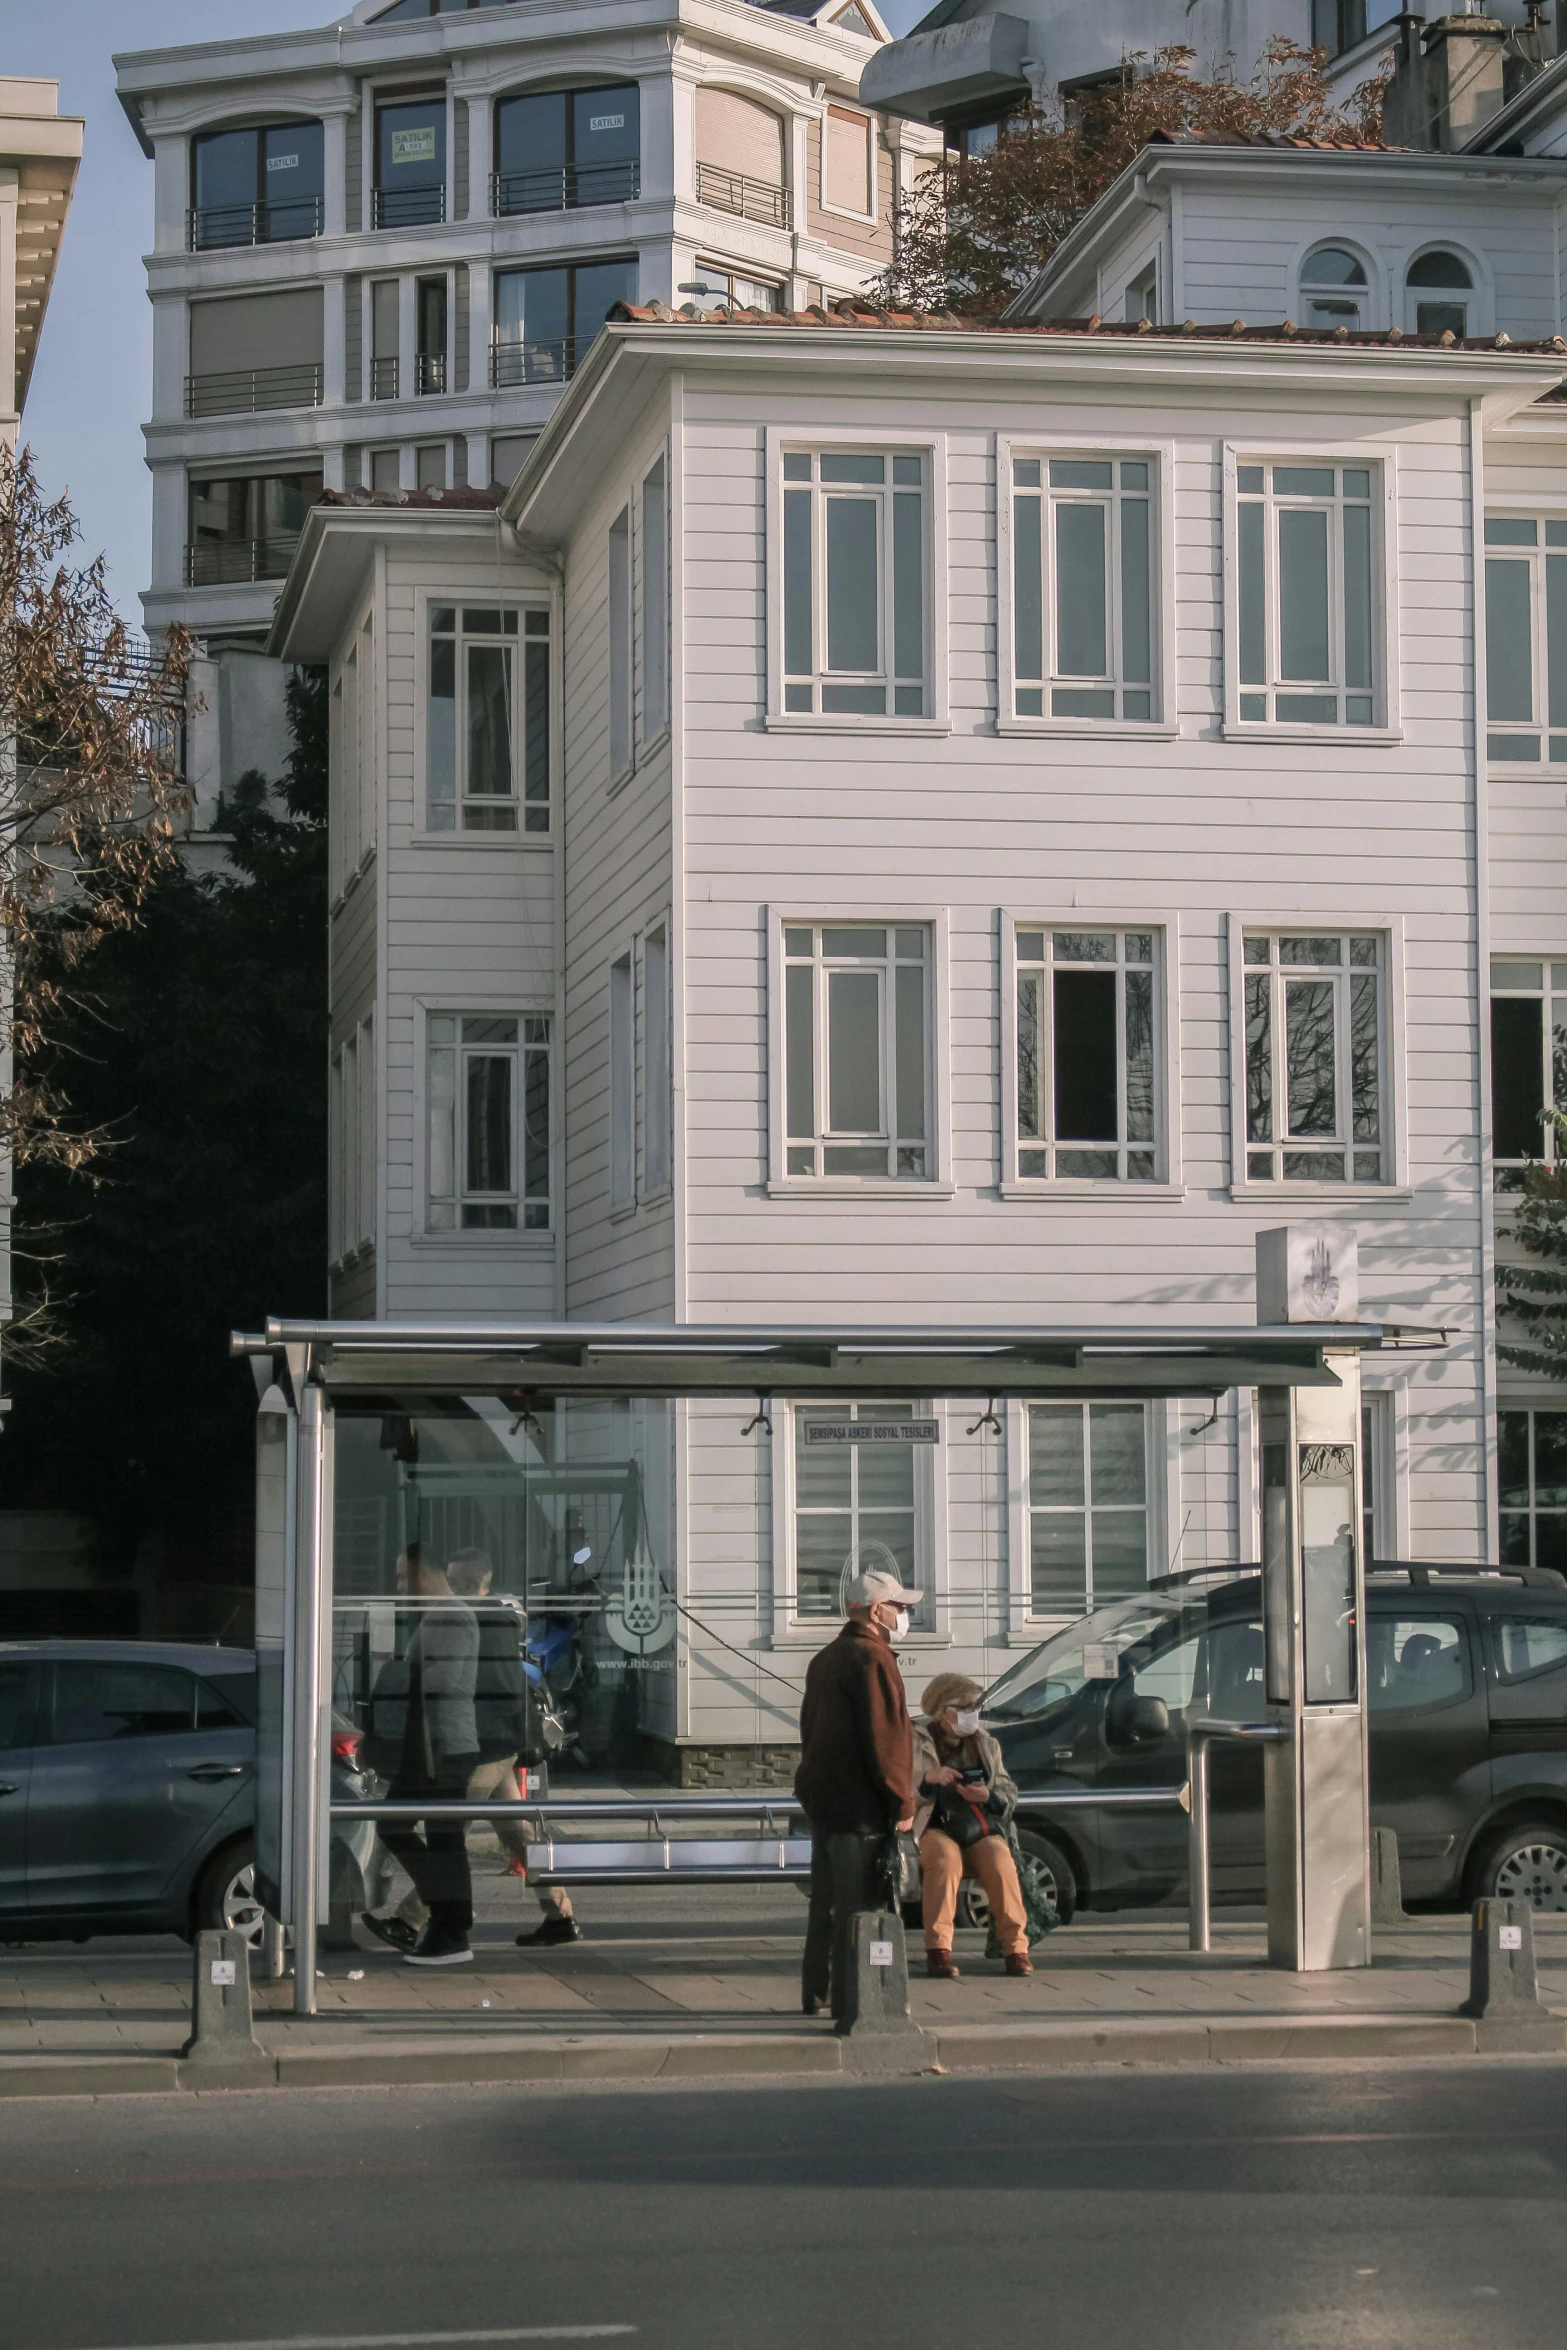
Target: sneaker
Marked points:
552	1930
942	1964
438	1950
394	1931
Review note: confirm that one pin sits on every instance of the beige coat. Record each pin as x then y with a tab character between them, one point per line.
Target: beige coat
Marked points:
981	1748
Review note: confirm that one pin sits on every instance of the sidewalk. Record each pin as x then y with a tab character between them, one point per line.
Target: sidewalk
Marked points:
690	1981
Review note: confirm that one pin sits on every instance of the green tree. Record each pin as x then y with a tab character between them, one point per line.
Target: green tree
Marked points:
198	1057
1534	1294
974	233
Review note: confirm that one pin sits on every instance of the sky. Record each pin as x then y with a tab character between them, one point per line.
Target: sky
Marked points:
90	388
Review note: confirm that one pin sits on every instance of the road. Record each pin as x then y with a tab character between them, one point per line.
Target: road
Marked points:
1293	2209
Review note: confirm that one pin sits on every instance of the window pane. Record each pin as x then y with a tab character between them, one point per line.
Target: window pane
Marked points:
1517	1076
1550	1460
94	1702
799	1023
442	750
1556	639
1058	1563
822	1472
1136	633
536	720
1253	596
654	582
1311	950
1509	668
854	942
489	1123
821	1544
1364	1061
1117	1455
908	587
1055	1456
910	1051
852	618
1303	481
1081	646
536	1125
489	720
443	1122
1259	1060
1513	1458
1412	1664
1085	1074
1308	1020
1027	590
797	582
1073	473
847	468
1530	1648
854	1052
1357	595
1139	1056
1501	533
1028	1102
1303	594
886	1474
1120	1559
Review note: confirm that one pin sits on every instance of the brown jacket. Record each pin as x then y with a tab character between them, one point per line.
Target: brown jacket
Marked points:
856	1771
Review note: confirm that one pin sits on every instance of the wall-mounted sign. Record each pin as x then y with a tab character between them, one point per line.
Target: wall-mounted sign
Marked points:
282	163
606	122
872	1432
414	146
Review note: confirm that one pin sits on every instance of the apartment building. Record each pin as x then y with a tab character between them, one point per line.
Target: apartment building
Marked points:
904	821
382	248
40	153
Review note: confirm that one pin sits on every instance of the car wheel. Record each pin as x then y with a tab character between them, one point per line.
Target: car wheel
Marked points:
226	1894
1060	1880
973	1909
1528	1863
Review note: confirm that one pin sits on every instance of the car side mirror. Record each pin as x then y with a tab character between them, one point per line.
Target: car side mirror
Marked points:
1136	1721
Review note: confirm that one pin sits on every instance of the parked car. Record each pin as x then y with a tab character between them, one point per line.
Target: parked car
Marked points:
1467	1697
128	1792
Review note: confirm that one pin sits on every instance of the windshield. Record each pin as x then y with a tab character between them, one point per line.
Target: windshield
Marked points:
1088	1650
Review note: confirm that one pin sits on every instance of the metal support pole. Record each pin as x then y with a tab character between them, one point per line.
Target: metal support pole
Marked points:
1198	1935
309	1792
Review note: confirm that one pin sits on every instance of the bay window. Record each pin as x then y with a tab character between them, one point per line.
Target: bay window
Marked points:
1308	594
856	558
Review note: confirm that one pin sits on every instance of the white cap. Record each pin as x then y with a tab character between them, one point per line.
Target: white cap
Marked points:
875	1585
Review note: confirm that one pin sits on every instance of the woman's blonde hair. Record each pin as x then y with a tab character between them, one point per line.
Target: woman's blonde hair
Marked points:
947	1689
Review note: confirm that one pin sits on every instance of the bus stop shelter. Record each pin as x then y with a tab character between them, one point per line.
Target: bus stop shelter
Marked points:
629	1446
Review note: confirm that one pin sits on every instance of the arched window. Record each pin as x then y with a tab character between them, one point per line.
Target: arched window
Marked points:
256	186
1333	289
1443	305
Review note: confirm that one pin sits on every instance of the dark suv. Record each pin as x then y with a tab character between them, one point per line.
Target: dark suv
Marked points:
128	1791
1467	1673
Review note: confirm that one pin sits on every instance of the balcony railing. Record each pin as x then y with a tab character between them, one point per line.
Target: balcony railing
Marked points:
564	187
222	562
212	225
383	379
535	363
430	372
731	191
406	207
245	390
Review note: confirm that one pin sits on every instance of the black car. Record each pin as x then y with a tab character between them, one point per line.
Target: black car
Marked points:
1467	1698
128	1792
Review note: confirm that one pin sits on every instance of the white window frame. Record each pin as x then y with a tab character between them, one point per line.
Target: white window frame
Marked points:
872	162
651	614
1370	297
1341	922
936	1183
1552	1150
1478	297
1388	1461
1169	1183
1165	725
1138	290
538	1238
655	1066
620	681
1161	1496
1545	517
622	1090
1369	456
932	448
931	1543
352	1152
457	838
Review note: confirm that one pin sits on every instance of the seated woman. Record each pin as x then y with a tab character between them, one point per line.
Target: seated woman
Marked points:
963	1799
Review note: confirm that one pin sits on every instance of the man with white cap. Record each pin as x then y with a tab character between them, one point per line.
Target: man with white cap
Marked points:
856	1775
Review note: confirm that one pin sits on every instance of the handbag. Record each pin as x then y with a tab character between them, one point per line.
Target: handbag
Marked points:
898	1870
960	1817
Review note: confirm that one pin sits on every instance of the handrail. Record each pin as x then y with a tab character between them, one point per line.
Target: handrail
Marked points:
1199	1736
400	1809
246	390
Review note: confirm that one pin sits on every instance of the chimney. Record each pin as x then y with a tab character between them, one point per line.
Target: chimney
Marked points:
1447	81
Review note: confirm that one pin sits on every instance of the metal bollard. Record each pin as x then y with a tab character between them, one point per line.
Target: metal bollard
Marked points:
1387	1886
1504	1996
222	2041
882	2035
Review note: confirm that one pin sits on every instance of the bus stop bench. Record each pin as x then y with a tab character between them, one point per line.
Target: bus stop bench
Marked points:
672	1860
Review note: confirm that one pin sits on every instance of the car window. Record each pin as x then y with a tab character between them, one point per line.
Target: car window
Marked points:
1171	1674
1060	1667
15	1726
100	1701
1234	1670
1413	1661
227	1704
1524	1646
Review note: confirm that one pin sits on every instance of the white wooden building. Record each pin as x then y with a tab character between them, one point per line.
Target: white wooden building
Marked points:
1011	814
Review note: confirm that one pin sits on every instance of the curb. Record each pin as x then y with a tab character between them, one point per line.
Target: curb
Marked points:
958	2048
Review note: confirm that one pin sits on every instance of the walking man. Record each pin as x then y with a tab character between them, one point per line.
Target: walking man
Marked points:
440	1753
856	1776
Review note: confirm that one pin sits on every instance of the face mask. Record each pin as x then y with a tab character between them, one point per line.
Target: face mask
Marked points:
900	1624
966	1721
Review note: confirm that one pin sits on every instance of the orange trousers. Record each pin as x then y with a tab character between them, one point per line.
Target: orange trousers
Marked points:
942	1869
